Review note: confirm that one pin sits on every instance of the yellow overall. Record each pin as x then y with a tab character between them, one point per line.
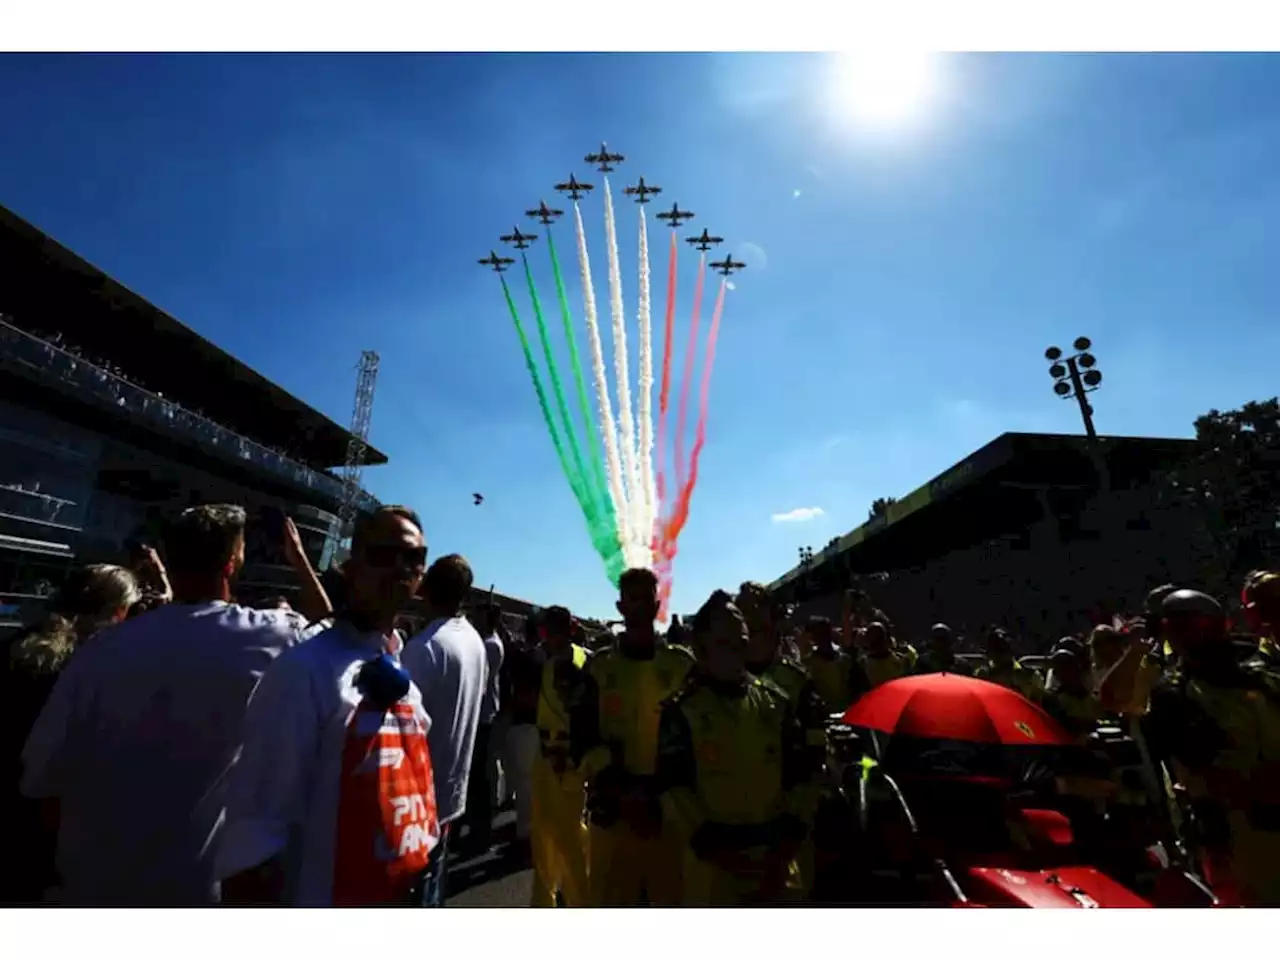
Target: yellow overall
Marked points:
732	772
558	835
614	733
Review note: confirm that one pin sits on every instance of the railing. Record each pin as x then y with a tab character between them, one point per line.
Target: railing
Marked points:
44	359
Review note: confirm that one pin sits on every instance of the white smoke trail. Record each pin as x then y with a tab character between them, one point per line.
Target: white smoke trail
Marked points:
645	506
622	373
608	430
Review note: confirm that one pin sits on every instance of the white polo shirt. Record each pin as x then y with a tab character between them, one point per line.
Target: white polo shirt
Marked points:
285	791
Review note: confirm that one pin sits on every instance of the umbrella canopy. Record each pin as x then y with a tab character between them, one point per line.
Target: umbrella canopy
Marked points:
949	707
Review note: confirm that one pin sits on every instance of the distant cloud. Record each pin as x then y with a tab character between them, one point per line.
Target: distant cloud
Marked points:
798	515
752	254
730	285
834	441
795	194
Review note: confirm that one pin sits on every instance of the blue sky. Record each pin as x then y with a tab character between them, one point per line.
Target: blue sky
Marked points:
899	296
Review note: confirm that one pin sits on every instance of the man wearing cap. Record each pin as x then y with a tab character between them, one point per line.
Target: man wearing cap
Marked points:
1218	726
940	655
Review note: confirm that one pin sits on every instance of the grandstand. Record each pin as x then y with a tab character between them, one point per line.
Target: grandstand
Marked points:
1017	534
114	415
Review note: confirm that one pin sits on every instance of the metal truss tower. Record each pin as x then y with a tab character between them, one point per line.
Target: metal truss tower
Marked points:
362	413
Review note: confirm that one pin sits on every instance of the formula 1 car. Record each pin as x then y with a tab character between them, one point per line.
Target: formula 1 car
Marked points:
951	839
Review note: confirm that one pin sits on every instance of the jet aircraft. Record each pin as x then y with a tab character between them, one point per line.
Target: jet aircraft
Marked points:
642	191
675	215
604	160
704	242
520	240
498	263
573	188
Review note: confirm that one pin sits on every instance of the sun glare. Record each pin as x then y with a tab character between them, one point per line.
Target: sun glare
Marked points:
886	91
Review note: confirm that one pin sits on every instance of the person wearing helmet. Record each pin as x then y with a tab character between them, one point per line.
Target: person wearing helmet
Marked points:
1261	601
1000	667
1217	725
1071	701
731	772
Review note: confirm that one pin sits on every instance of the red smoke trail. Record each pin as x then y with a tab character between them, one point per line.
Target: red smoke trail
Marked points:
680	509
664	392
690	354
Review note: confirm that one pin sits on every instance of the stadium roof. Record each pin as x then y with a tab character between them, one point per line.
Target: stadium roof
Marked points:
49	287
996	484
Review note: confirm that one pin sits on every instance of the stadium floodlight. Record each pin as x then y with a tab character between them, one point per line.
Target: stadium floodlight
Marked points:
1070	382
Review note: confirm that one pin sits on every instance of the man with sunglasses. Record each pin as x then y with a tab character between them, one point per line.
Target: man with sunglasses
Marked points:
333	799
449	664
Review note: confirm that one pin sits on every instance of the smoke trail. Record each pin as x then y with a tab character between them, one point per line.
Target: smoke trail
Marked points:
680	510
644	529
622	373
608	430
593	480
537	383
665	390
578	480
690	354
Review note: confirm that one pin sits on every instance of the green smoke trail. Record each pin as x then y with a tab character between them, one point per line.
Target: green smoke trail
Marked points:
603	538
596	480
537	383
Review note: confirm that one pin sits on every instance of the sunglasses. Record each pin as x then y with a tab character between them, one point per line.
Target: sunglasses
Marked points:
386	556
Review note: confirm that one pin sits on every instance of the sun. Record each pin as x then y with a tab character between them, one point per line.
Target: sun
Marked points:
885	92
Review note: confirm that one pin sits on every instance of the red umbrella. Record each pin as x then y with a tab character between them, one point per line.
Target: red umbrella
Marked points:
946	706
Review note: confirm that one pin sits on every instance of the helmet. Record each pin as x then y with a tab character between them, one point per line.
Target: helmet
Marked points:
1190	602
1157	596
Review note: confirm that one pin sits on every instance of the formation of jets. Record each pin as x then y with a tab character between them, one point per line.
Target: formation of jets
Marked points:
642	191
604	160
478	498
704	242
675	215
573	188
544	214
727	266
498	263
517	239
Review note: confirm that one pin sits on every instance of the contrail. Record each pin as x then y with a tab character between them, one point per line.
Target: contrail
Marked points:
622	370
608	430
643	523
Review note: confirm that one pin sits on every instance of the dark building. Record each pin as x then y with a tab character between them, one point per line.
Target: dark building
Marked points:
114	417
1032	532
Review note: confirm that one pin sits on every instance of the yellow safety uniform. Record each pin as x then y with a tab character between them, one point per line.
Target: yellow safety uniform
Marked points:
908	651
809	710
732	772
614	739
558	834
891	666
1077	712
1014	676
832	678
1223	739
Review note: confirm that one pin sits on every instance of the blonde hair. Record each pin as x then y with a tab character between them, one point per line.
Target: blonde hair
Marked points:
89	600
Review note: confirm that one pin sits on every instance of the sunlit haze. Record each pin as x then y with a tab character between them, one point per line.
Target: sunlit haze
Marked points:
886	91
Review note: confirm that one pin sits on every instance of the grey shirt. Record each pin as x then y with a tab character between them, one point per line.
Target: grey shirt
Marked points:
448	663
136	742
491	703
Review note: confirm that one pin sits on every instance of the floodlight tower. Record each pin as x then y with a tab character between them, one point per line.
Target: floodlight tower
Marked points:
1070	382
358	444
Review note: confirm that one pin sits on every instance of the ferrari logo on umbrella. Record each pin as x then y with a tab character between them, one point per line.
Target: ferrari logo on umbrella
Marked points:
1025	730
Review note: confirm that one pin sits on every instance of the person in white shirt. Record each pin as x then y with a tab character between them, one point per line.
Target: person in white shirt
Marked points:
448	663
485	775
333	799
138	736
